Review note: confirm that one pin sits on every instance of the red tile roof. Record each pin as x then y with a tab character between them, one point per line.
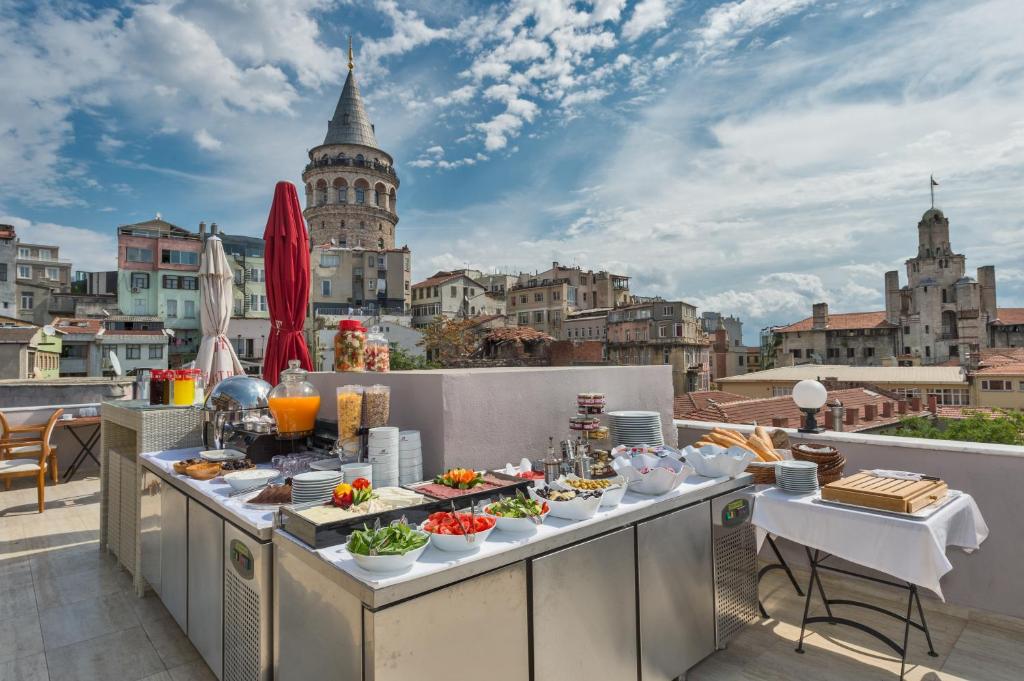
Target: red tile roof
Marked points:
77	325
443	277
762	411
966	412
524	334
688	403
1001	369
1009	316
844	321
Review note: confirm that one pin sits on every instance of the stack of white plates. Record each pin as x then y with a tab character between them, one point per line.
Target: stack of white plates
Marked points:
798	477
410	457
315	486
354	471
633	428
382	453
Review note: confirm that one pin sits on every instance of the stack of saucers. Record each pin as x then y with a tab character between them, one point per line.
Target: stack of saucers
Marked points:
410	457
315	486
382	453
797	477
633	428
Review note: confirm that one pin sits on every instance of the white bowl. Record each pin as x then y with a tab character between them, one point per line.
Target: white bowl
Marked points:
574	509
250	478
457	542
662	476
712	461
518	525
612	495
389	563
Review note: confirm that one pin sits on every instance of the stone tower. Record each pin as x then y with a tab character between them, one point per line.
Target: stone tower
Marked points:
351	184
942	312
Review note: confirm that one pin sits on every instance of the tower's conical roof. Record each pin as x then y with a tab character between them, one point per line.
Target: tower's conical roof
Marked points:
350	124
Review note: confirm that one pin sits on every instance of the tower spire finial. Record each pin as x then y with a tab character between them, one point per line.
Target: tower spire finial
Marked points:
351	58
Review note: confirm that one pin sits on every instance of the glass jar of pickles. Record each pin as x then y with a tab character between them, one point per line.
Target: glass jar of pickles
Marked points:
378	353
294	402
350	346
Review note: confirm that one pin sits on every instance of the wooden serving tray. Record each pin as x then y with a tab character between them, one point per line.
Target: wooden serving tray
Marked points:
887	494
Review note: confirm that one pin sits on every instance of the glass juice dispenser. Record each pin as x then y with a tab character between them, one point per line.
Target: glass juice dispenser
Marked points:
294	403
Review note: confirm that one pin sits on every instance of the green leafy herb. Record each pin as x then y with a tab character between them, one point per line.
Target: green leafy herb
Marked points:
393	540
516	507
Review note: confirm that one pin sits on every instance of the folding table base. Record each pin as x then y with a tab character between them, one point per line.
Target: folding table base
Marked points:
781	565
816	559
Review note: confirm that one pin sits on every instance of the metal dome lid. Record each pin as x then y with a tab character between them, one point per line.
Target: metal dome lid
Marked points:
237	393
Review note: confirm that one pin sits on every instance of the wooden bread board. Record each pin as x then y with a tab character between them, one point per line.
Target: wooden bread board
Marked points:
887	494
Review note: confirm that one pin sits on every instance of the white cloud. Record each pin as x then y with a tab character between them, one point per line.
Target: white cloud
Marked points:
648	15
205	141
499	129
458	96
108	144
727	24
87	249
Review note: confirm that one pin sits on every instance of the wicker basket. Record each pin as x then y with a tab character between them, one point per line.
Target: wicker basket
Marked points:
830	462
763	473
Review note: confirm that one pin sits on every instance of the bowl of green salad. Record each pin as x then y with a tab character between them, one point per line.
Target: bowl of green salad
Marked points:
393	548
518	514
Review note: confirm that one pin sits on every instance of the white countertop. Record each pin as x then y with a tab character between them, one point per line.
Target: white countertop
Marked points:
434	560
256	521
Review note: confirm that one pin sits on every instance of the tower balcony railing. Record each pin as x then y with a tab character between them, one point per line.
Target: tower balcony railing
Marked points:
347	162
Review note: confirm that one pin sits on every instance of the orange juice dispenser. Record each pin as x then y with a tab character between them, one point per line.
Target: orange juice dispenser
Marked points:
294	403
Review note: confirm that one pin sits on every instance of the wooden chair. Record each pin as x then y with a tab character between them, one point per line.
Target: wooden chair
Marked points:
25	432
30	465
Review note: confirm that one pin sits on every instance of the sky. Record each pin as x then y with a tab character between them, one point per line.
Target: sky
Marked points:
751	157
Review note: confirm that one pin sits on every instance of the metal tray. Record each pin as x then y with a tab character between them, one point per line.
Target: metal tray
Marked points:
464	500
320	536
922	514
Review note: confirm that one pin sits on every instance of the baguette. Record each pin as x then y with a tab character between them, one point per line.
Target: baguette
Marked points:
724	441
731	435
763	436
764	453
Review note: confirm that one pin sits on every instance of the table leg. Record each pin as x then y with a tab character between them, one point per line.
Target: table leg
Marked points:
906	630
924	622
86	450
807	602
780	565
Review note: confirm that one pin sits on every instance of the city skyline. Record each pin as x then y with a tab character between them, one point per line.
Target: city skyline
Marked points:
750	157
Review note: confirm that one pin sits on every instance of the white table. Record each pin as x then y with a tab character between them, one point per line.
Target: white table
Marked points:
913	551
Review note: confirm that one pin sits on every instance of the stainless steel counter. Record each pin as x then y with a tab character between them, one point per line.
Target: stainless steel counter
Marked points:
517	595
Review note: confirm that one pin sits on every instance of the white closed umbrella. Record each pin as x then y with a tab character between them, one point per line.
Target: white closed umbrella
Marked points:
216	359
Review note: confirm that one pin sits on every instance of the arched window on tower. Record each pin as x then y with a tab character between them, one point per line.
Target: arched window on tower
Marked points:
380	227
392	198
362	225
321	192
341	190
380	195
359	160
380	243
362	186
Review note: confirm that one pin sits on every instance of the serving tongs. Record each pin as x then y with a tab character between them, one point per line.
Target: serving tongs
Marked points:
470	536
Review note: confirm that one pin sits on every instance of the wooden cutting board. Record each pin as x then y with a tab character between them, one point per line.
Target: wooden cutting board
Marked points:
887	494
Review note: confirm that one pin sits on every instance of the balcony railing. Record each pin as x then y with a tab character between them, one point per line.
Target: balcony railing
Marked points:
353	163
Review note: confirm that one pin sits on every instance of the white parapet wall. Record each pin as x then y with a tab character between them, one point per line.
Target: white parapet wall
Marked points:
484	418
988	579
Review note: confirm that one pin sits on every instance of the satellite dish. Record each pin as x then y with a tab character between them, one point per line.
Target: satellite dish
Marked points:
49	330
115	363
169	332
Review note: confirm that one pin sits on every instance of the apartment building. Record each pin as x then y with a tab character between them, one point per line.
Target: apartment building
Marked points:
8	271
662	332
158	276
249	289
544	300
357	280
138	343
588	325
451	294
41	272
28	350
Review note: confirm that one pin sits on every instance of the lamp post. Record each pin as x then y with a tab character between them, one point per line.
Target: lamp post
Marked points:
809	396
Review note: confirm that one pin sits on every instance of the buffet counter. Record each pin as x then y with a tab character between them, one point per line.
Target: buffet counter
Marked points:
632	587
207	555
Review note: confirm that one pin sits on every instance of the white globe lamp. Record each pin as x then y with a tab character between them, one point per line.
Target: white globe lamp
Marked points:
810	396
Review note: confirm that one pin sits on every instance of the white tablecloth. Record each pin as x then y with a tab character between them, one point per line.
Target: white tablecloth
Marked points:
911	550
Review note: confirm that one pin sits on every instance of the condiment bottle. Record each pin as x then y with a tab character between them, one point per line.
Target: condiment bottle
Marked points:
294	402
157	386
350	346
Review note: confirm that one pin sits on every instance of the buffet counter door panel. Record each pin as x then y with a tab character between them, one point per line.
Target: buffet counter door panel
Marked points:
149	527
584	611
415	639
676	583
206	585
317	627
174	554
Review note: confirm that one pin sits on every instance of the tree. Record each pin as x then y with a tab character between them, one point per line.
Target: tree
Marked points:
449	339
404	361
1007	428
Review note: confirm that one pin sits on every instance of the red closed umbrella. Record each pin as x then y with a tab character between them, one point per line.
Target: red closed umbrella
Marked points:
287	262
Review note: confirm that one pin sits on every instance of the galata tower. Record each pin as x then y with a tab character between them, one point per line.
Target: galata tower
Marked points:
351	184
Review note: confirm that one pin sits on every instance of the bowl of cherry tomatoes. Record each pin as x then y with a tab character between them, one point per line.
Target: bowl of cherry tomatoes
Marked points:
458	531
